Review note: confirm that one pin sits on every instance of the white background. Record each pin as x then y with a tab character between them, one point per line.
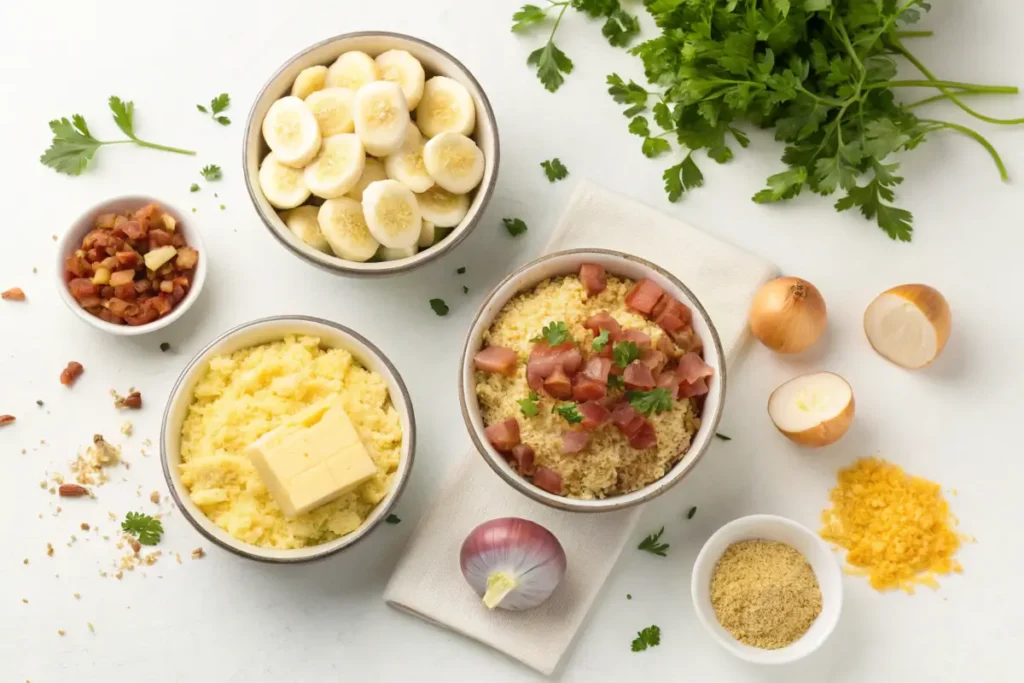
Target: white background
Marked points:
226	619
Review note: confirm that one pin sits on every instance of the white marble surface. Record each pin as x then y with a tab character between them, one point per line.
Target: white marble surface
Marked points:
225	619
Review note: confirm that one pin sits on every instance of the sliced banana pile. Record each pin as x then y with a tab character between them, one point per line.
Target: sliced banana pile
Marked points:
388	149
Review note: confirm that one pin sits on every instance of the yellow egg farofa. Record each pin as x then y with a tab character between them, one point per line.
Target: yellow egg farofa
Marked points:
250	392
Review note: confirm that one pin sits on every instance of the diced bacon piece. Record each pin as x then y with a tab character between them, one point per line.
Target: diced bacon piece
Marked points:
81	288
544	360
627	420
104	314
147	315
638	376
77	266
128	259
603	321
558	384
181	281
178	240
668	380
638	337
667	346
524	457
644	437
161	304
571	360
574	441
495	359
70	373
90	302
187	258
106	291
593	278
687	340
122	277
689	390
671	315
95	255
691	368
598	369
644	295
595	415
134	230
654	359
97	239
586	388
126	291
122	308
159	238
142	286
504	436
549	480
178	293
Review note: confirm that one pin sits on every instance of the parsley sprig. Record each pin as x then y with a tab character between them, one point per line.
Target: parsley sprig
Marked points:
653	545
528	406
211	172
570	412
601	341
515	226
554	169
648	637
554	333
657	400
625	352
217	105
147	529
74	146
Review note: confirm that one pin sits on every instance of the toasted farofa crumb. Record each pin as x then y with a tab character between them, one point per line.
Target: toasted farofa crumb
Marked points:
249	393
608	466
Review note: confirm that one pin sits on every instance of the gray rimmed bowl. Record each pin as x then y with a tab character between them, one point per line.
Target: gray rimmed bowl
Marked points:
568	263
264	330
436	62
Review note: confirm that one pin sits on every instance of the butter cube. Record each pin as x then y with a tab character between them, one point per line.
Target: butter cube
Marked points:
311	459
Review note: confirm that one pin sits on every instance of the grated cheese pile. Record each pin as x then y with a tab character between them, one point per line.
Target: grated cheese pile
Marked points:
897	528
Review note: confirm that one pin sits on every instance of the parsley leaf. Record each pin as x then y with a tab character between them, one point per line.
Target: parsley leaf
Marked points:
143	527
625	352
648	637
682	177
657	400
194	188
465	289
653	545
554	169
460	270
393	519
211	172
723	437
551	63
439	307
528	406
620	28
515	226
527	16
870	199
217	105
601	341
569	411
692	512
554	333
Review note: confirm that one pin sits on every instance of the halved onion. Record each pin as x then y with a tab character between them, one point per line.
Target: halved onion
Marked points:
909	325
813	409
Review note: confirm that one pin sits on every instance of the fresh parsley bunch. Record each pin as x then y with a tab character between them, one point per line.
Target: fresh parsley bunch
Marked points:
821	73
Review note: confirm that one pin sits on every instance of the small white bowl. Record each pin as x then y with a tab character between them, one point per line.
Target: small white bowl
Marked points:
332	335
71	240
807	543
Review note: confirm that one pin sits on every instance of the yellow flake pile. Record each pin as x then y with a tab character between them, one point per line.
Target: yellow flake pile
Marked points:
897	528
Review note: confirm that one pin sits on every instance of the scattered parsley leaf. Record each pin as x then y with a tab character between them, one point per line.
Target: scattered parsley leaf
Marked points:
657	400
648	637
682	177
723	437
221	207
392	519
465	289
164	347
601	341
653	545
515	226
439	306
461	270
222	120
528	406
526	17
211	172
217	105
692	512
554	169
39	403
570	412
625	352
194	188
551	63
629	596
143	527
201	108
554	333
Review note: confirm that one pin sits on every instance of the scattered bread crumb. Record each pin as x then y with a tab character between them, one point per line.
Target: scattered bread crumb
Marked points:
25	561
127	428
78	596
155	497
198	554
49	550
60	631
25	600
84	526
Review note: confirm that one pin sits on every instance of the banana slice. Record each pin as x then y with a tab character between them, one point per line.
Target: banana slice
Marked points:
291	132
372	172
309	81
446	107
428	233
442	208
333	110
303	222
382	119
392	214
337	167
454	162
398	66
352	70
389	254
342	224
406	165
283	186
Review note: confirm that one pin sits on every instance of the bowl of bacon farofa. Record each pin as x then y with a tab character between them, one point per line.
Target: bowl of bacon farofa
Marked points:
592	380
287	439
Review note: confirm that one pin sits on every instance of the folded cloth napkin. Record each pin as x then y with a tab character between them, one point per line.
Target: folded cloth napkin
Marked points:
428	582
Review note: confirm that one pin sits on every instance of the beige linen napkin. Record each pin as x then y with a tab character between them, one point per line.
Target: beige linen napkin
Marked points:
428	582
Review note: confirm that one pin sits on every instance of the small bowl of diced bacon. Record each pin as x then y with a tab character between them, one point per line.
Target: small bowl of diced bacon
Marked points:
131	265
592	380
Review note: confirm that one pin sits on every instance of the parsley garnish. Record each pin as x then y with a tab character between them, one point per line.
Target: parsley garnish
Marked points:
570	412
194	188
465	289
625	352
615	382
648	637
657	400
528	406
601	341
554	170
629	596
692	512
515	226
73	145
651	544
144	527
554	333
439	306
723	437
211	172
461	270
217	105
392	519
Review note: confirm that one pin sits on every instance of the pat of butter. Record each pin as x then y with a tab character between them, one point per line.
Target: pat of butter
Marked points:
311	459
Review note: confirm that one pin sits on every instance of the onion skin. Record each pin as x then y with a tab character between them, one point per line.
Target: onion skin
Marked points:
934	307
788	315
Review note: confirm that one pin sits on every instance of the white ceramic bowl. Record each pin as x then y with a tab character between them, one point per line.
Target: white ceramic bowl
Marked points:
770	528
615	263
71	240
436	62
260	332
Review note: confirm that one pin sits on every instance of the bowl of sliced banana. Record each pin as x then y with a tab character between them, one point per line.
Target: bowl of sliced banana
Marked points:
371	153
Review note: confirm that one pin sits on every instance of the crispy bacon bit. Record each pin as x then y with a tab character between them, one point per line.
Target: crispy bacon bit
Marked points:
504	436
574	441
593	278
161	304
654	359
549	480
122	277
81	288
13	294
72	490
77	266
641	339
108	316
122	308
644	438
595	415
71	373
638	376
524	456
586	388
603	321
691	368
132	401
496	359
134	230
6	419
129	259
147	315
558	384
644	295
159	238
125	291
598	369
